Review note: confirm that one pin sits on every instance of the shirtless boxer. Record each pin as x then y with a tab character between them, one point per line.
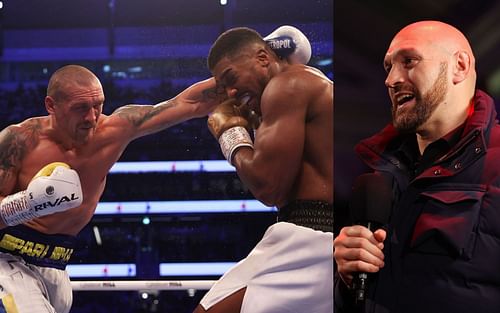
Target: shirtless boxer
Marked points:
289	164
35	252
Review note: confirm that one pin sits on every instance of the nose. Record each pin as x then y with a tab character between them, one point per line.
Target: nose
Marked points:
394	77
91	115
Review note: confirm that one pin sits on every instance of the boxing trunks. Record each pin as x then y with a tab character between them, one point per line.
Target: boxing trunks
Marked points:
290	270
32	271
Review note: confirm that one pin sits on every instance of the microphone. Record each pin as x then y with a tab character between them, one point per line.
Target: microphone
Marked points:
370	206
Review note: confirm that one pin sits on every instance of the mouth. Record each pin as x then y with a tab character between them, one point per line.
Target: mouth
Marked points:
401	99
245	99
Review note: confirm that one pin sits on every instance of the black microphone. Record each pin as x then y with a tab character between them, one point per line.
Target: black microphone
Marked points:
370	206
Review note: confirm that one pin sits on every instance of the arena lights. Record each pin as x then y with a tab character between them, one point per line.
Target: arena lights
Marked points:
223	2
171	166
101	270
324	62
1	5
146	220
97	235
176	207
195	269
166	269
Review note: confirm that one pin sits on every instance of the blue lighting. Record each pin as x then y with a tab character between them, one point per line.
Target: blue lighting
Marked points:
324	62
171	166
174	207
146	220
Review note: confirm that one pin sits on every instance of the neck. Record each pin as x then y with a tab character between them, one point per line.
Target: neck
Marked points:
435	129
61	137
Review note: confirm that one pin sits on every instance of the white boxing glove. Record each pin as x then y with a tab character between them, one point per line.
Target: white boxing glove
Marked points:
291	44
55	188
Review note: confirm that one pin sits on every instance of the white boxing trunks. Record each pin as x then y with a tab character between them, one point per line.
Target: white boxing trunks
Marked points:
290	270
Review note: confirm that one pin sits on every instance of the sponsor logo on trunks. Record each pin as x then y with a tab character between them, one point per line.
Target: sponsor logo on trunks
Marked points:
56	202
34	249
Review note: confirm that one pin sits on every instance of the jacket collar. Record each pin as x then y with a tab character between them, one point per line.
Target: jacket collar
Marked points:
378	151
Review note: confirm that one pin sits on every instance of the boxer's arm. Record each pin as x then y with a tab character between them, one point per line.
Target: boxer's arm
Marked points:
195	101
270	168
13	147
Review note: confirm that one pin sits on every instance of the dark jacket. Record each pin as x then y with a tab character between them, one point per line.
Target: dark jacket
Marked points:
442	252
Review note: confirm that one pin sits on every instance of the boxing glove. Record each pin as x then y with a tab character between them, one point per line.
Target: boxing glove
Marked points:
291	44
229	127
55	188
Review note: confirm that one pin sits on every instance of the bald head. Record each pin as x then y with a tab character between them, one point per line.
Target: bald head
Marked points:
70	76
434	33
442	43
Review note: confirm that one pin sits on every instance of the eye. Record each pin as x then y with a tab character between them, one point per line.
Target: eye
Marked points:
409	62
230	79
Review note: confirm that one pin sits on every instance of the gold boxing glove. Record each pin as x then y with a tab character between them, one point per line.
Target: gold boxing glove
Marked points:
228	125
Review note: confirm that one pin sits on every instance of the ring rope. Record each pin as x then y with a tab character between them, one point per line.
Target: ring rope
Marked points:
107	285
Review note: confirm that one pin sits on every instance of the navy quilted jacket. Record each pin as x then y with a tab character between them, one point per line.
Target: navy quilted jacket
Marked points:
442	252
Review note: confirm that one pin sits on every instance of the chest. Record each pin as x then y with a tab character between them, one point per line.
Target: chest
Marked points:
92	162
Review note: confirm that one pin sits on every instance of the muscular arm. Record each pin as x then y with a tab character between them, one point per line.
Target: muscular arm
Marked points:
13	148
195	101
270	169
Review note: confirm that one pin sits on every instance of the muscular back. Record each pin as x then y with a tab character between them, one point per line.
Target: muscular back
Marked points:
315	179
293	156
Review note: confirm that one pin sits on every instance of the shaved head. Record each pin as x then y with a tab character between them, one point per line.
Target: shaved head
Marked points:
438	34
70	76
431	78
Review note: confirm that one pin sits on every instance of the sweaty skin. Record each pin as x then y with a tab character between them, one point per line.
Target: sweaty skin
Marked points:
292	156
414	63
296	105
77	133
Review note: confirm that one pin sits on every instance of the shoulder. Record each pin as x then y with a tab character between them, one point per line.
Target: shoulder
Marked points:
300	79
28	129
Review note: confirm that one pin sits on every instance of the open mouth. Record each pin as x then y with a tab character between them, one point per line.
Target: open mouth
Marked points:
404	98
245	99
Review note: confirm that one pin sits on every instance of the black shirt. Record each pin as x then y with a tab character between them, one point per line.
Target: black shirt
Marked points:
416	163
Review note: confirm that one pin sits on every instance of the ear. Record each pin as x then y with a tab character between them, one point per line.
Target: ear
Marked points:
461	67
263	57
50	104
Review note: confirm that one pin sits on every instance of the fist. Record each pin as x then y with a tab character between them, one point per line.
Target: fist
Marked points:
226	115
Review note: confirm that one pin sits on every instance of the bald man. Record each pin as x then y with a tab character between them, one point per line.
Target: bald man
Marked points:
440	251
41	216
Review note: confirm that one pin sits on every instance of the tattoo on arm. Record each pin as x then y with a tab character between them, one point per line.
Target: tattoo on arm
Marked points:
218	92
14	145
139	114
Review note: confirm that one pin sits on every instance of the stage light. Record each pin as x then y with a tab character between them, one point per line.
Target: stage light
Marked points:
97	235
146	220
324	62
223	2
